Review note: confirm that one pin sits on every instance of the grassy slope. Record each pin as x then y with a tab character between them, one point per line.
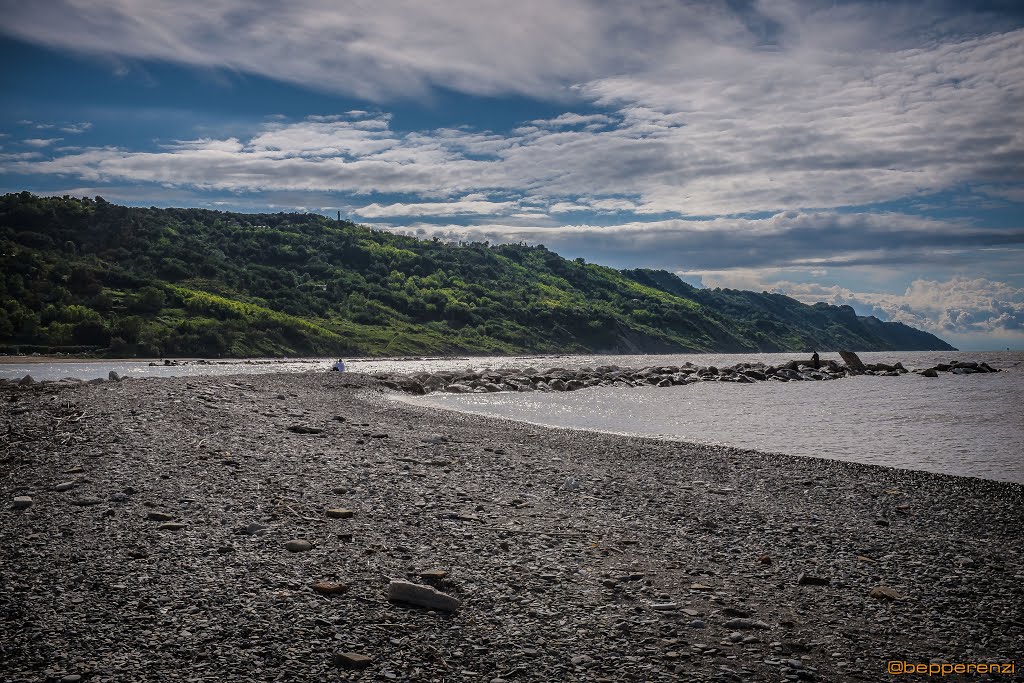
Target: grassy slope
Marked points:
89	275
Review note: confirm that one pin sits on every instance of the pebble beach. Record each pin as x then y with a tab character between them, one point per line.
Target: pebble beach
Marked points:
269	527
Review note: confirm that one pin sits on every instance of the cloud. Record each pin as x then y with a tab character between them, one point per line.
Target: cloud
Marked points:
468	205
77	127
707	108
961	305
40	142
570	119
805	240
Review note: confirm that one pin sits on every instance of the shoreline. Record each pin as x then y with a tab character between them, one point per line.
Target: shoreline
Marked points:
577	555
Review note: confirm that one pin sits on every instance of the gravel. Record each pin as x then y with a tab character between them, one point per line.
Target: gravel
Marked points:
553	582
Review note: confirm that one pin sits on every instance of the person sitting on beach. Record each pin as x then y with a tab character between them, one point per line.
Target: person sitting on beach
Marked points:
339	365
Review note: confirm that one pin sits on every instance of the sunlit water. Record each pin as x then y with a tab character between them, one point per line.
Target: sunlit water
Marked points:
968	425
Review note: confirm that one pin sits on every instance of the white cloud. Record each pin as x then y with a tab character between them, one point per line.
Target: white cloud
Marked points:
961	305
77	127
40	142
468	205
571	119
708	111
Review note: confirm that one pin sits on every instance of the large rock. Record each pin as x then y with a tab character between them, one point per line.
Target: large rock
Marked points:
22	502
352	660
852	361
422	596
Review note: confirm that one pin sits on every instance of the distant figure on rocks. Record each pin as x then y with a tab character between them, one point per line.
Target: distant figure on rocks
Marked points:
339	365
816	360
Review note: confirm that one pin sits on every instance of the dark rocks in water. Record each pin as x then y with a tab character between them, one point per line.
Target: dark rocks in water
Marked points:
852	361
26	381
562	379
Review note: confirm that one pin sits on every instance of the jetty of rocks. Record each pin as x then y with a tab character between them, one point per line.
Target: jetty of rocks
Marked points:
566	379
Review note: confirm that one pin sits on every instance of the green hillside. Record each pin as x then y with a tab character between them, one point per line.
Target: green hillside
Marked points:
85	275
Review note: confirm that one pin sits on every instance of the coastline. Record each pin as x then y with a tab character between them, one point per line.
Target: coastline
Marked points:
577	555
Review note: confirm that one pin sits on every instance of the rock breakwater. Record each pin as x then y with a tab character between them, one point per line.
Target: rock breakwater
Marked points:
565	379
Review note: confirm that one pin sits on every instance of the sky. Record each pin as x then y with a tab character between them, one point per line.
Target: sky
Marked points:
861	153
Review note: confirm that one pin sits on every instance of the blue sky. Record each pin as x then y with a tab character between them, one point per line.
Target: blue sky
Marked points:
851	152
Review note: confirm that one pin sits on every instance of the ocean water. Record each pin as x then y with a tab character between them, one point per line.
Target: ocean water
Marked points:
968	425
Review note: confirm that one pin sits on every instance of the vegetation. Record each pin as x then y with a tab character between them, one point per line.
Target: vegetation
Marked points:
85	275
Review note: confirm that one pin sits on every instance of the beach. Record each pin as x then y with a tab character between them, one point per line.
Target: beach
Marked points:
575	556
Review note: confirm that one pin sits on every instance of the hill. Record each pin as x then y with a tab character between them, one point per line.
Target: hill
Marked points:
85	275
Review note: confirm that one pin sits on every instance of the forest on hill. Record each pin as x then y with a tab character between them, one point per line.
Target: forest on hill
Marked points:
88	276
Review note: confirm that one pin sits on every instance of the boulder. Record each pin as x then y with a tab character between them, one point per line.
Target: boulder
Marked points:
852	361
421	596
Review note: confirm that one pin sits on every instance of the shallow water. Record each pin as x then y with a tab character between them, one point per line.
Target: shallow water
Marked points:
968	425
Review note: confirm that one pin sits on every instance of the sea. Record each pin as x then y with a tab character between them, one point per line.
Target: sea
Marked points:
966	425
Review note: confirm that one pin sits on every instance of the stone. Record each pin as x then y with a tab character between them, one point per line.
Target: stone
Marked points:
422	596
765	559
352	660
746	624
22	502
298	545
113	376
254	529
664	606
884	593
304	429
86	502
433	574
852	361
329	588
808	580
159	516
172	526
71	678
26	381
930	372
64	486
697	623
339	513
